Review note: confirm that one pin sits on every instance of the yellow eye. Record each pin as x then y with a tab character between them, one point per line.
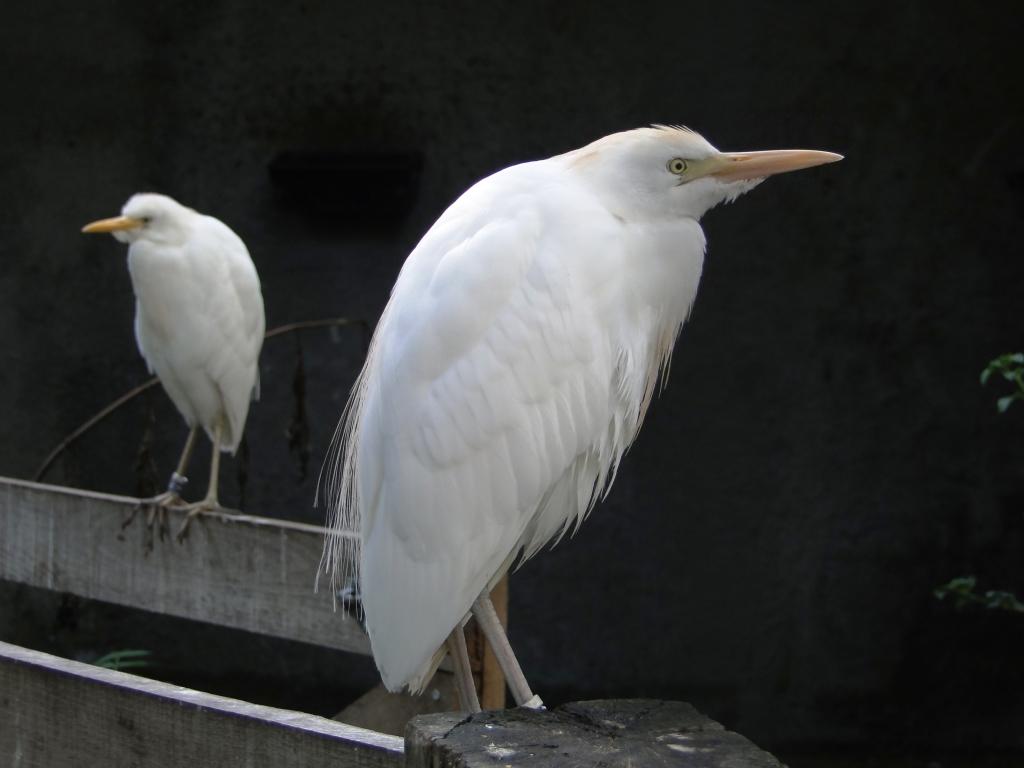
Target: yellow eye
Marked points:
677	166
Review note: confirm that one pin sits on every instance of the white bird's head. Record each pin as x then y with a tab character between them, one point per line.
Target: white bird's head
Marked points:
146	215
670	172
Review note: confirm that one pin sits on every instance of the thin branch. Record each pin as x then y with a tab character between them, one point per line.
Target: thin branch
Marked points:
331	322
63	444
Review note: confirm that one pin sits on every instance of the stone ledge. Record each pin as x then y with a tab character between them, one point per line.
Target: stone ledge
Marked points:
638	733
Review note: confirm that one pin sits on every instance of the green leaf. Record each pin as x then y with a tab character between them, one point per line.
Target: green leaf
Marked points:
962	584
1005	601
131	665
1005	402
126	659
126	655
961	589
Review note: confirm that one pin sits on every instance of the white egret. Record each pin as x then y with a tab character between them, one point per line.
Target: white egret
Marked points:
198	322
508	375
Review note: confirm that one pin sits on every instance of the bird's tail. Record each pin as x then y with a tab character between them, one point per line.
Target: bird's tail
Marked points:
338	489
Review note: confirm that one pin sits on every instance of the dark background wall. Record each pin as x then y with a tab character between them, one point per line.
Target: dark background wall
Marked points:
824	456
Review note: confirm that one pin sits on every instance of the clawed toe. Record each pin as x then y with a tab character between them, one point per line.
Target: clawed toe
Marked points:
156	515
206	505
167	499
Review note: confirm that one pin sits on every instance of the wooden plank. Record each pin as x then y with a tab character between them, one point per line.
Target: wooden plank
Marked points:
610	734
380	710
239	571
56	713
492	679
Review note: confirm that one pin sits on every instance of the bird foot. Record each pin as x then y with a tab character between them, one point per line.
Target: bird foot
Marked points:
533	702
166	499
206	505
156	515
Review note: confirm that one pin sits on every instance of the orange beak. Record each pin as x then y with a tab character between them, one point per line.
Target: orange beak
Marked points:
115	224
733	166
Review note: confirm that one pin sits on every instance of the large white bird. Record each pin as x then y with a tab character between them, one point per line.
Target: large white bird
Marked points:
508	375
199	323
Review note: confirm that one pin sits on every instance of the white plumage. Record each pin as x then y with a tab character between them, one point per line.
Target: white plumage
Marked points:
199	318
511	370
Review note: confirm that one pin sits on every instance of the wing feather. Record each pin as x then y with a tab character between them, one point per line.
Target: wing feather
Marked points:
464	420
234	334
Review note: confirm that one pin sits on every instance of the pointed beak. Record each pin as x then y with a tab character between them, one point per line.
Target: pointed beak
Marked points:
733	166
116	224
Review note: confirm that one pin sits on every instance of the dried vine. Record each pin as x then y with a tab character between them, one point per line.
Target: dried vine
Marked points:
332	322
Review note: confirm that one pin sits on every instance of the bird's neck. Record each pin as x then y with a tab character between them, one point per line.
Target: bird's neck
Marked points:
657	296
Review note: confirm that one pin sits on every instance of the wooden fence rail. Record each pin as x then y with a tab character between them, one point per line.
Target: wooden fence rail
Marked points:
240	571
256	574
56	712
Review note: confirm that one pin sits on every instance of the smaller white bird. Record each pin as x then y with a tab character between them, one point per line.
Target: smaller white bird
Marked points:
199	324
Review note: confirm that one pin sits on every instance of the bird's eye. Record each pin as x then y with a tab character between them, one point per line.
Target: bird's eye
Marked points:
677	166
146	219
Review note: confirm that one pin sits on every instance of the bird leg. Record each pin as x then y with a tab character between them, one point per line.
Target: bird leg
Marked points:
157	506
209	503
178	479
490	625
463	674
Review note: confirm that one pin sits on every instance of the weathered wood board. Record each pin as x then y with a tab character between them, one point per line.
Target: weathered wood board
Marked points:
240	571
56	713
